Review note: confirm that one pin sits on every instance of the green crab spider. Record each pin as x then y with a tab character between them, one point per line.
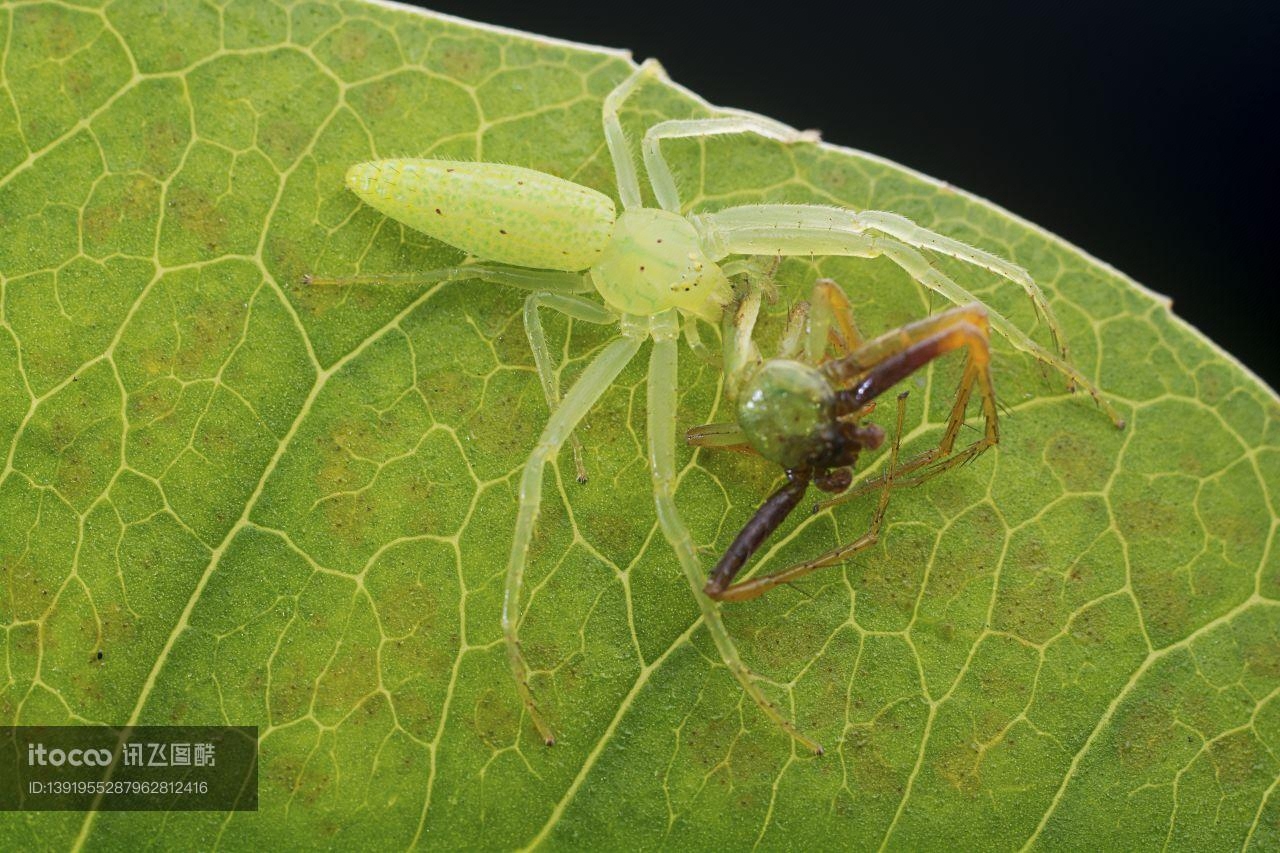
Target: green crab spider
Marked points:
657	271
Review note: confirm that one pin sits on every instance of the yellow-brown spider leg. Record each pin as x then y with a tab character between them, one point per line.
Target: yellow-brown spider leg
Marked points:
831	322
826	319
719	436
718	586
832	306
964	326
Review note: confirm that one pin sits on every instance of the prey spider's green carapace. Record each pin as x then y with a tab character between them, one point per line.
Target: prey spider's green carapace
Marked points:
656	271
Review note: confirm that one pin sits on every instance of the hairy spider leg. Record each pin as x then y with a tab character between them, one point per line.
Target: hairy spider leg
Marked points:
802	229
661	179
904	230
660	176
584	394
571	306
771	514
900	352
924	272
661	427
624	167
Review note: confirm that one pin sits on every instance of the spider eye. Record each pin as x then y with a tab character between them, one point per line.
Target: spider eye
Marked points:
787	410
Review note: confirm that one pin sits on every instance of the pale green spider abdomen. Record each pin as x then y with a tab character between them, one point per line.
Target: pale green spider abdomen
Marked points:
501	213
655	263
786	411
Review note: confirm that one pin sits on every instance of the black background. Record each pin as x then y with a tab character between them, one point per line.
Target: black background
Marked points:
1143	133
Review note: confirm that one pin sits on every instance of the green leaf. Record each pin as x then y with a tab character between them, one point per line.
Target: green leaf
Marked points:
290	507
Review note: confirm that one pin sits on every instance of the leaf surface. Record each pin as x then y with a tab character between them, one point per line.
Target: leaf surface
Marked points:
290	507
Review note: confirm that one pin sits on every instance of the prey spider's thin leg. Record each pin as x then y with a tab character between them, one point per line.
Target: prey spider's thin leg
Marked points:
895	355
524	278
920	269
571	306
755	587
801	229
719	436
660	177
662	462
831	312
594	381
624	165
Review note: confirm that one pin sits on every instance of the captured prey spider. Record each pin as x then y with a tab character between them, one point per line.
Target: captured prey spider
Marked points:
804	412
657	272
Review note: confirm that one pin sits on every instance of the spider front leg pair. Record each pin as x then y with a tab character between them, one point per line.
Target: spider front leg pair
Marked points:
806	415
804	229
